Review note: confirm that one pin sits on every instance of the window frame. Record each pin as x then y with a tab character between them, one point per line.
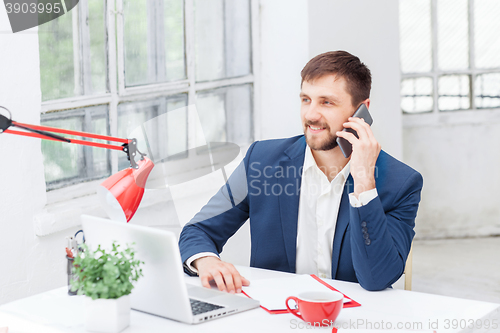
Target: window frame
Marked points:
472	72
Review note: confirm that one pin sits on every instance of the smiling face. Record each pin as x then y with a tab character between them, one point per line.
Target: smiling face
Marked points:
325	106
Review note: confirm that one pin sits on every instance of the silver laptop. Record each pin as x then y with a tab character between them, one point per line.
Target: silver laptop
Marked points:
162	290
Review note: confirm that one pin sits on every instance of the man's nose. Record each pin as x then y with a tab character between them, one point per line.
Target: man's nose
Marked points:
313	113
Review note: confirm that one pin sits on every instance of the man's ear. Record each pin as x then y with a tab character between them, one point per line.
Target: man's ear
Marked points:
367	103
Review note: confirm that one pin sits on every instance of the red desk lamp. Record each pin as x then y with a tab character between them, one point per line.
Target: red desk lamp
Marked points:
122	192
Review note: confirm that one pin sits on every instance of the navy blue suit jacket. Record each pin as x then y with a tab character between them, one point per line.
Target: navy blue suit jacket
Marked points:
370	245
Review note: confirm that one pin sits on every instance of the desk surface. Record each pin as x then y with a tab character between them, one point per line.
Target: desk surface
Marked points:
55	311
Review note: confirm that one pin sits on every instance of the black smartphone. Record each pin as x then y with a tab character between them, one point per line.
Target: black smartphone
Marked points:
345	146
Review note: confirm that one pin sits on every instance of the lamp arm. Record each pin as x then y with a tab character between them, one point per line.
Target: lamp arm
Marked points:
129	146
5	123
42	133
46	129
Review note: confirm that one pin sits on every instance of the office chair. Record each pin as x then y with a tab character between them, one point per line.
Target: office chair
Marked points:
408	269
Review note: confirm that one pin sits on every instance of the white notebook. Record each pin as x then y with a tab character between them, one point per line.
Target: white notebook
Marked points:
272	293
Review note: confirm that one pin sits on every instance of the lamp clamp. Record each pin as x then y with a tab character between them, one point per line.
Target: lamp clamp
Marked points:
4	121
131	150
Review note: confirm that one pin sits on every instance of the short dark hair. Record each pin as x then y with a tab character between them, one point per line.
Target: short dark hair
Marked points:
341	64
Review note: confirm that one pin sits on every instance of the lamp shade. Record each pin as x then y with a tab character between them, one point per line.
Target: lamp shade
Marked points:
121	194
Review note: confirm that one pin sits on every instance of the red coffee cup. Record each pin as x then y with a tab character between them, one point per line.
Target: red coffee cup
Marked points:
317	308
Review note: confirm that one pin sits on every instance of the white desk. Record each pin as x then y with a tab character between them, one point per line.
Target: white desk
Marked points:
56	312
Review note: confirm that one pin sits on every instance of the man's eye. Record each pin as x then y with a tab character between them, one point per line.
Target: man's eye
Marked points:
305	100
329	103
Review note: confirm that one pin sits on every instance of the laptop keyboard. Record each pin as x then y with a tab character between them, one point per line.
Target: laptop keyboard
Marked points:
202	307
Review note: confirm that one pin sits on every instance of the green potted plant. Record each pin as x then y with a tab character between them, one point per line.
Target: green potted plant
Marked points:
106	279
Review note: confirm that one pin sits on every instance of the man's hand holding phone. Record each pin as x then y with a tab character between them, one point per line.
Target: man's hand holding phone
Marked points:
225	275
365	151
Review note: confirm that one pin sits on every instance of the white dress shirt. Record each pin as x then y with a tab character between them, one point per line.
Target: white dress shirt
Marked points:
318	209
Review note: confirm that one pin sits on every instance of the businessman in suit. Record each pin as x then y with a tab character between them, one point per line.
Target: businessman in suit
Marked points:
311	210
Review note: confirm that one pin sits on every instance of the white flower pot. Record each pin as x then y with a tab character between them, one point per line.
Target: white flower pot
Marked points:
107	315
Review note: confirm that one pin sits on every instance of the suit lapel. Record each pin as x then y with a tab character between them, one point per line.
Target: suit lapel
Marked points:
342	223
292	165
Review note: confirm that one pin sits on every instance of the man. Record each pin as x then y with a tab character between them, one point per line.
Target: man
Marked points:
311	210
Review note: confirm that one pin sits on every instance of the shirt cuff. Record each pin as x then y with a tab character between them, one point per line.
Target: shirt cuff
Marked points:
188	263
364	198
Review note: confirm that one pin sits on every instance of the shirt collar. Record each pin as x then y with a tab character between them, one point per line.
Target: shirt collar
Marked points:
310	162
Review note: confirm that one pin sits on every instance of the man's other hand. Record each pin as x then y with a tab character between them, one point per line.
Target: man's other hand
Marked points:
224	274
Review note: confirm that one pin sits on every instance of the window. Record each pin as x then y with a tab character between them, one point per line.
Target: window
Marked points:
449	55
108	67
67	162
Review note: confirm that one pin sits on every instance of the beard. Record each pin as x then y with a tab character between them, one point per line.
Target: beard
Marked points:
328	143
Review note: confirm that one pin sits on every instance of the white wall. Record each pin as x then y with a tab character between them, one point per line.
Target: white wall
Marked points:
458	154
28	264
369	30
284	52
